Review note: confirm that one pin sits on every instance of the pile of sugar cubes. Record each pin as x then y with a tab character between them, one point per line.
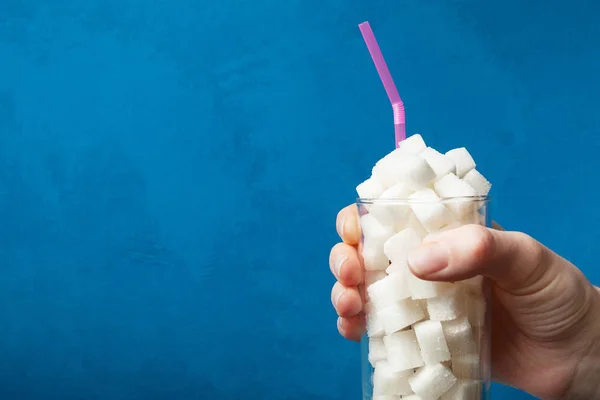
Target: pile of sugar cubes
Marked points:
424	337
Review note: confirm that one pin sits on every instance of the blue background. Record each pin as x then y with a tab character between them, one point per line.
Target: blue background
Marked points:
170	172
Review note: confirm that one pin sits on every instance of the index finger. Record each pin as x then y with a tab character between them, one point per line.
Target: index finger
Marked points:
348	225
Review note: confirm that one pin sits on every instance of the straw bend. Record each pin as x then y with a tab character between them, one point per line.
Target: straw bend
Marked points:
386	79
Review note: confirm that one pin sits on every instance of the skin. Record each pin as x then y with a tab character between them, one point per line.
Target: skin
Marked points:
545	325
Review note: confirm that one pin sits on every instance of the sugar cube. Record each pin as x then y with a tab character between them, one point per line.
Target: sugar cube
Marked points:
451	186
415	171
376	351
432	213
440	163
402	350
447	306
430	382
432	342
374	229
388	291
478	182
413	144
397	247
421	289
373	256
416	225
464	390
398	268
398	211
387	397
386	171
373	276
369	189
412	397
462	159
374	323
459	336
466	366
400	315
388	381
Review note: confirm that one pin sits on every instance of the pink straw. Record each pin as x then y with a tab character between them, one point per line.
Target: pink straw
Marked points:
388	82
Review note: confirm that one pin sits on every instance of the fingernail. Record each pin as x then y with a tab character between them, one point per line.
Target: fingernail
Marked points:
337	265
429	258
336	297
340	227
339	324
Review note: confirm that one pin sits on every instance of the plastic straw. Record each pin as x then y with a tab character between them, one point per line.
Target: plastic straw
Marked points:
388	82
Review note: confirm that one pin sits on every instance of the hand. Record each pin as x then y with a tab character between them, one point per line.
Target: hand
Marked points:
545	313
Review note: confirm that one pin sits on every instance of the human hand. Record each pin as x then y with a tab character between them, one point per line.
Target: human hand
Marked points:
545	325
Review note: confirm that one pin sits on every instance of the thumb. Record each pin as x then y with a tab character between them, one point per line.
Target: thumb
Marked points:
515	261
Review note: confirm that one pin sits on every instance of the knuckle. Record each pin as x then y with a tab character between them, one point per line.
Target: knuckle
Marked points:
534	249
483	241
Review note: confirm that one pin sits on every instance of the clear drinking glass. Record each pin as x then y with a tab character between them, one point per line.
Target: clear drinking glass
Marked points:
424	340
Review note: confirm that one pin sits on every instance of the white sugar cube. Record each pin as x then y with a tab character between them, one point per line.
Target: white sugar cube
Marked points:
388	381
412	397
459	337
398	268
430	382
432	342
375	327
416	225
415	171
373	276
428	209
402	350
376	351
369	189
476	309
397	209
478	182
421	289
413	144
388	291
464	390
447	306
373	256
462	159
387	397
451	186
373	229
423	305
400	315
397	247
386	171
440	163
466	366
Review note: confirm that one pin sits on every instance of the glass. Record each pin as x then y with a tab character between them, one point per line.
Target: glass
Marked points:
424	340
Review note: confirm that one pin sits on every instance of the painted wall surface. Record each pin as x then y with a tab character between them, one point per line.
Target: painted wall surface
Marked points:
170	172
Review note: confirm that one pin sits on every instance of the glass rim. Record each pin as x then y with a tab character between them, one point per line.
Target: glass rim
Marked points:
406	200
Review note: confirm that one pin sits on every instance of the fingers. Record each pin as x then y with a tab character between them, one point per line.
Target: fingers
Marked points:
514	260
352	328
346	300
345	264
348	225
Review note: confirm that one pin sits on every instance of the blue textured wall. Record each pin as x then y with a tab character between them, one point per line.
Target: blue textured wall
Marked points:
170	173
